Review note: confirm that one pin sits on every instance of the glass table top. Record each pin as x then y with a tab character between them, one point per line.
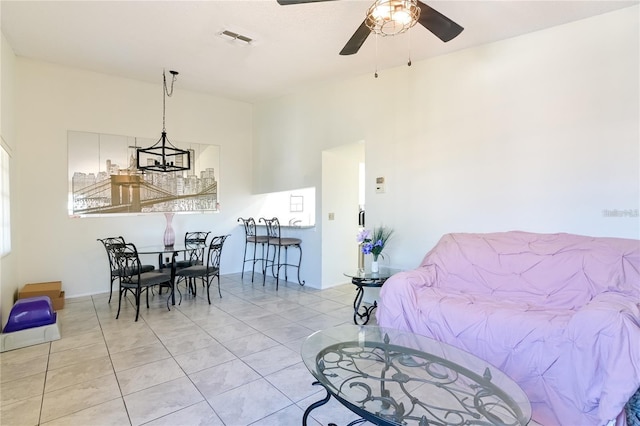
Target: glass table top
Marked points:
160	248
393	377
368	275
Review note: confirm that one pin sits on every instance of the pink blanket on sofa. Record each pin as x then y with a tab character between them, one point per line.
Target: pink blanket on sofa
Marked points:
559	313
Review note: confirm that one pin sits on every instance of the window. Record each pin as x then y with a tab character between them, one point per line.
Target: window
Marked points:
296	203
5	241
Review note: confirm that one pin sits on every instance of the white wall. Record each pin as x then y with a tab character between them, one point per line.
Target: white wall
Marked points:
537	133
340	184
8	270
52	100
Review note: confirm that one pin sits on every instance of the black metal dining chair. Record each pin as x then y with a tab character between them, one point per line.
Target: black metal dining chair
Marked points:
111	244
132	279
210	269
278	242
251	237
196	242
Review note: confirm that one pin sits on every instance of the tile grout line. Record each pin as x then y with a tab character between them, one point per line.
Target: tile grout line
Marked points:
104	338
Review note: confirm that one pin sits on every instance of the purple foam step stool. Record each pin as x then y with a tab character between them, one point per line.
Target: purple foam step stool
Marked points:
31	321
30	312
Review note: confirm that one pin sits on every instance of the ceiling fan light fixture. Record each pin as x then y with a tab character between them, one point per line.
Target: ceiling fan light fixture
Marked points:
391	17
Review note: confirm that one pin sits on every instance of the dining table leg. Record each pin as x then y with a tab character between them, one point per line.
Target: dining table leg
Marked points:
173	278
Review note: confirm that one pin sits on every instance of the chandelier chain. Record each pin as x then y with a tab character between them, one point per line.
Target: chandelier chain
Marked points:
166	92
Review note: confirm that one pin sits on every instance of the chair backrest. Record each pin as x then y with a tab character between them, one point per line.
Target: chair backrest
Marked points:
197	242
273	227
111	244
215	251
249	226
128	263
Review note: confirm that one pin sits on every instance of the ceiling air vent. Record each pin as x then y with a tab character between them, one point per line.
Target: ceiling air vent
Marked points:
235	36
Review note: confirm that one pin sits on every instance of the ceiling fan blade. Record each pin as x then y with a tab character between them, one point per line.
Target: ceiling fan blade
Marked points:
356	40
286	2
441	26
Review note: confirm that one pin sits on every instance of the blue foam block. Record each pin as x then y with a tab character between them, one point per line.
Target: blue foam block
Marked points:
30	312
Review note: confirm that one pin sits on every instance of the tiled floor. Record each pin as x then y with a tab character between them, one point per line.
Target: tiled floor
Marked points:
235	362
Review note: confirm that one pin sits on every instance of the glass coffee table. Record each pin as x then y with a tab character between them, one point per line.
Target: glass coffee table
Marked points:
363	279
392	377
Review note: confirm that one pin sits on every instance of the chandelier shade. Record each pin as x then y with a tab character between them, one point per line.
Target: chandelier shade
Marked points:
163	156
392	17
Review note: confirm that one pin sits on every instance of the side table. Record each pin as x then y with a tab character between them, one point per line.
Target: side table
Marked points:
361	280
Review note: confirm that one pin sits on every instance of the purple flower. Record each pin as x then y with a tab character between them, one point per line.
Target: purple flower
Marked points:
364	235
366	248
373	242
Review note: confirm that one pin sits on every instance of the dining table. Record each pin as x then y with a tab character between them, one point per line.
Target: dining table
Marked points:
167	258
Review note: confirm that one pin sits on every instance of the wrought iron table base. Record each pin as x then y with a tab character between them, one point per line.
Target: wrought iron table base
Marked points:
321	403
367	310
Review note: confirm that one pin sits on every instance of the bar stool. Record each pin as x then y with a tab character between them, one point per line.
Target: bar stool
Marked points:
278	242
252	238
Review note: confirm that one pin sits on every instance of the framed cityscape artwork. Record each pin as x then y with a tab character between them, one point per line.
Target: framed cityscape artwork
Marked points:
104	179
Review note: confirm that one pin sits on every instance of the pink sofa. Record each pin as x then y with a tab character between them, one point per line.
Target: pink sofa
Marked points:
559	313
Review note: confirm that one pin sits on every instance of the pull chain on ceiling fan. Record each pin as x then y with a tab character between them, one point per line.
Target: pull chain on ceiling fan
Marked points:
392	17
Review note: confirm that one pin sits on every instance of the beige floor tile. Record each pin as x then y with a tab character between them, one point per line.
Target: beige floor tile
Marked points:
324	321
71	342
126	339
21	389
196	415
23	354
110	413
291	415
267	322
151	374
231	331
277	306
325	305
152	356
298	315
77	373
272	359
78	354
221	378
217	321
201	359
71	399
295	382
139	356
247	345
160	400
86	325
288	332
332	412
15	368
248	403
195	339
21	413
295	345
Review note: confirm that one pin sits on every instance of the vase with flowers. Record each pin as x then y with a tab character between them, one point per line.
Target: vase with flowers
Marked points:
373	242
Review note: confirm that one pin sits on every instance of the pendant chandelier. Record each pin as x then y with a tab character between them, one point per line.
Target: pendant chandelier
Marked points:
163	156
392	17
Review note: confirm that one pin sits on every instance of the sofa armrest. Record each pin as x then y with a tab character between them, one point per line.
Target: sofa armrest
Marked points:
609	327
399	298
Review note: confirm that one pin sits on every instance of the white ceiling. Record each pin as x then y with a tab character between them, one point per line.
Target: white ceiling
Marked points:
294	46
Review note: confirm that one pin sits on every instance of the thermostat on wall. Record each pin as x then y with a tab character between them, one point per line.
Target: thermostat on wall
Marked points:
379	185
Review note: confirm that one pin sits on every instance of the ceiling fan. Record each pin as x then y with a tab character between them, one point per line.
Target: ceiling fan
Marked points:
441	26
